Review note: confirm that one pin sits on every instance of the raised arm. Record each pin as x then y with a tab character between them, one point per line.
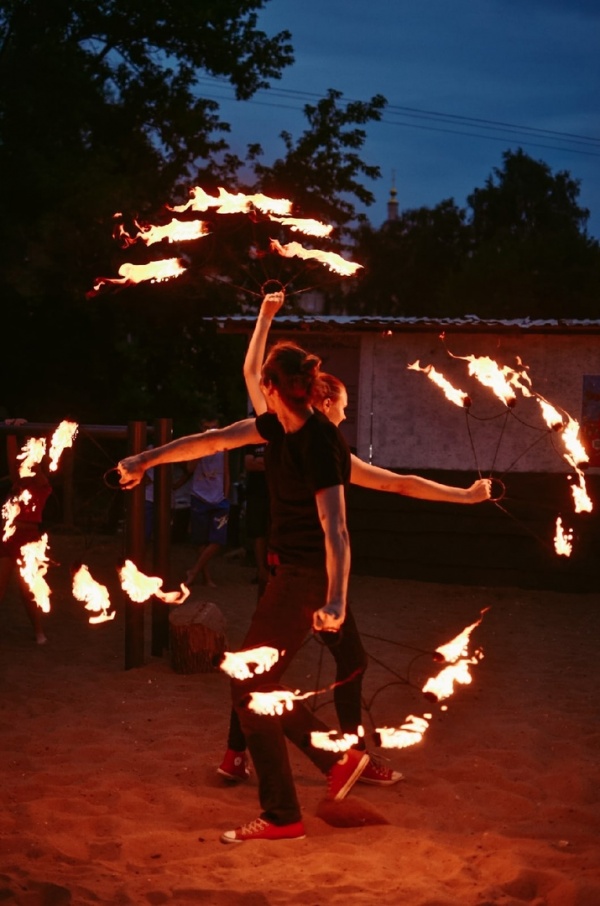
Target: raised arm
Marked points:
332	514
193	446
255	355
378	479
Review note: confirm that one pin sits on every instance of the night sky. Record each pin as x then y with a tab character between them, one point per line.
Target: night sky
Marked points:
464	79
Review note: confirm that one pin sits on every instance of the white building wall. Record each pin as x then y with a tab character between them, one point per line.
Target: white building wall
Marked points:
405	422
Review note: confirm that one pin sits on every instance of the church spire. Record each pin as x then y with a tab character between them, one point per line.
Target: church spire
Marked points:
392	206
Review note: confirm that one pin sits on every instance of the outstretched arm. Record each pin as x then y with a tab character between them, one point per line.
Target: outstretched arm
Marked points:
193	446
378	479
255	355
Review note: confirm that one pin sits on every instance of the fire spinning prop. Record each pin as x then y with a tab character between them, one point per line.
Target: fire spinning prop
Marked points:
454	654
226	214
505	382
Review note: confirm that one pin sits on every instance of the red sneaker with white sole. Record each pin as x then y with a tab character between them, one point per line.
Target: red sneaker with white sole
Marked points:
259	829
345	773
234	766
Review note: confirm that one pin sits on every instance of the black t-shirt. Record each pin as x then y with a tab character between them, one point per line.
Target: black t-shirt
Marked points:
256	483
297	466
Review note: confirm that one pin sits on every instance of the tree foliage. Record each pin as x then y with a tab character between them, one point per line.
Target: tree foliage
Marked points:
101	111
520	249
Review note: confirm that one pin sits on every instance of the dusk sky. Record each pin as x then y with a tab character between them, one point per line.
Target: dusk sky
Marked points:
464	79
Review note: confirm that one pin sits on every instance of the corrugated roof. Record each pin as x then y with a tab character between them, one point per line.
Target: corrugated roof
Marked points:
470	323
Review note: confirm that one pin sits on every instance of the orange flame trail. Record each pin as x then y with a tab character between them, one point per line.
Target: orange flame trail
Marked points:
332	741
174	231
563	539
62	438
95	595
458	397
333	261
140	587
154	271
305	225
33	566
32	453
227	203
408	734
237	663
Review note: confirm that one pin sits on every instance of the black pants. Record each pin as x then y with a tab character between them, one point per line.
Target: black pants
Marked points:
283	619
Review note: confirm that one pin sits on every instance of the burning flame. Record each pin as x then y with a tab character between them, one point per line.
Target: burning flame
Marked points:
226	203
333	261
155	271
331	741
581	498
459	646
174	231
305	225
95	595
10	512
32	453
497	378
458	397
62	438
563	539
455	654
408	734
276	702
33	566
140	587
442	686
237	664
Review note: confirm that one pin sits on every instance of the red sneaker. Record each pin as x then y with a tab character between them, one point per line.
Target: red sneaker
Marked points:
345	773
234	766
379	775
259	829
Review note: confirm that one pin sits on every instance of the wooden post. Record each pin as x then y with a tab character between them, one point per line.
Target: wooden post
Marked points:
134	612
163	433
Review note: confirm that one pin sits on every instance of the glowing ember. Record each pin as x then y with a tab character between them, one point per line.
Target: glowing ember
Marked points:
140	587
155	271
226	203
305	225
408	734
31	455
95	596
62	438
333	742
333	261
455	396
237	664
33	566
563	539
174	231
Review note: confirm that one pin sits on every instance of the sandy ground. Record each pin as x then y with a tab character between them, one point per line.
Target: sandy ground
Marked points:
110	794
